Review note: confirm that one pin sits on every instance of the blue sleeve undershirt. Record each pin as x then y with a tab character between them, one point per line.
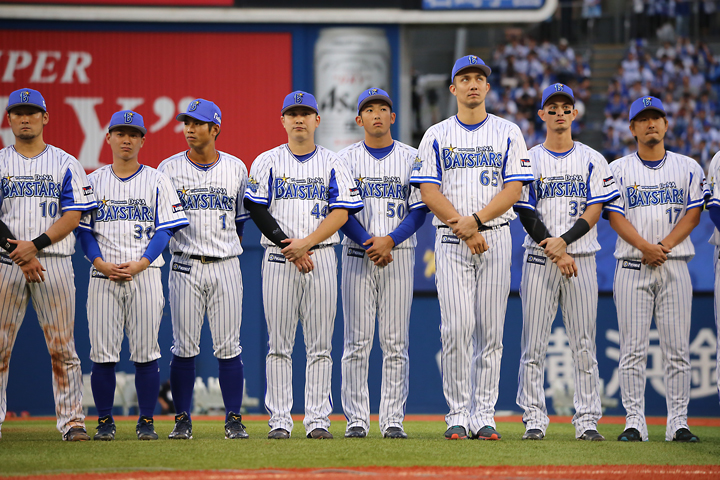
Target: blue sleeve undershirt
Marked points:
88	243
355	232
158	243
240	227
409	225
715	216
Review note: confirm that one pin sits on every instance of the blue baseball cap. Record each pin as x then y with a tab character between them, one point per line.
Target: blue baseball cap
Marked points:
202	110
26	96
371	95
127	118
299	98
557	89
646	103
470	61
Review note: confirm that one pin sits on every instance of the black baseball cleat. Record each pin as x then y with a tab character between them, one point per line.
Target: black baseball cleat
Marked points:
533	434
145	429
592	436
183	427
630	435
456	432
487	433
684	435
394	432
76	434
355	432
278	434
234	427
105	429
320	433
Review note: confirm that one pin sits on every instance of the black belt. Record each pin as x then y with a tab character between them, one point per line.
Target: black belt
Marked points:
484	227
202	258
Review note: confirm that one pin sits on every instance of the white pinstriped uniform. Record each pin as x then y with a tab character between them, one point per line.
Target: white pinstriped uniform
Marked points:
471	167
564	185
654	200
212	200
129	213
714	201
385	292
297	196
34	194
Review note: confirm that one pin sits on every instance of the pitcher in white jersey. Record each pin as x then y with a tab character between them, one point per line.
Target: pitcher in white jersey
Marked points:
44	192
713	206
377	267
205	277
138	213
299	195
471	169
559	211
661	197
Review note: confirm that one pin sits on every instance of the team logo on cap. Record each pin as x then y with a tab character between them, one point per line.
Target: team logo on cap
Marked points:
217	118
129	117
25	97
472	59
193	106
299	97
647	101
373	91
559	87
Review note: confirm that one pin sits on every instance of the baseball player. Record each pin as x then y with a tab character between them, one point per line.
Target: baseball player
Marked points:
713	206
559	211
138	212
471	169
299	194
44	192
205	277
377	267
661	197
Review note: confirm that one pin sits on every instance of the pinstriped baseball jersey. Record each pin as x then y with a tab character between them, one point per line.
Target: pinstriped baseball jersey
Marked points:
564	185
384	187
212	199
494	152
300	194
655	199
36	191
714	188
130	211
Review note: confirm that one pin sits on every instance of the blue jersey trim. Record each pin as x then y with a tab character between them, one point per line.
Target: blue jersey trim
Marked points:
127	178
203	168
471	128
607	198
438	164
519	178
379	153
302	158
558	154
421	180
258	200
525	205
333	190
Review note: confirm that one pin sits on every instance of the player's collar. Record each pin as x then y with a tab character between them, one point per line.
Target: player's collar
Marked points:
302	158
201	167
659	165
472	128
372	151
31	158
127	179
559	154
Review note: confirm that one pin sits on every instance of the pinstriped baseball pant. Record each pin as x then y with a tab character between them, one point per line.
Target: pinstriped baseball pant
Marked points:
717	311
311	298
473	292
54	303
542	288
386	292
665	293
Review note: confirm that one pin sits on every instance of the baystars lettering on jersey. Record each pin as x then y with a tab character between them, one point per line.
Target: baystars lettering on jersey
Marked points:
212	201
299	193
30	203
449	149
655	199
130	211
384	186
563	188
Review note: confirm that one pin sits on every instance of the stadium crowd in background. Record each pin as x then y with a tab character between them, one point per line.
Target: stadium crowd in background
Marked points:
685	76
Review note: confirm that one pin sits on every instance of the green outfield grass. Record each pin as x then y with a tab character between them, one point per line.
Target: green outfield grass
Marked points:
34	447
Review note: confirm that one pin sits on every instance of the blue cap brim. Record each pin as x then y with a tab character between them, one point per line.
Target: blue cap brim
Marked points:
298	105
375	98
181	118
484	68
559	94
10	107
136	127
662	112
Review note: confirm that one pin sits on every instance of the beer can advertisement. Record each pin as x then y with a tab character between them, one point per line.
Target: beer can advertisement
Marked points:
87	76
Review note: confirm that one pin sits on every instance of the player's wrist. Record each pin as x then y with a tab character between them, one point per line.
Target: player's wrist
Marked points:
41	242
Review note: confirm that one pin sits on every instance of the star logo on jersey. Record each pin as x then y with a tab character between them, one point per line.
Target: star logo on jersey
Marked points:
8	178
635	187
253	184
417	164
542	179
183	190
103	203
360	180
285	178
452	149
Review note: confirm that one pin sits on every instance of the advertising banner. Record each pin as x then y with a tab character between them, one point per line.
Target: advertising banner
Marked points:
87	76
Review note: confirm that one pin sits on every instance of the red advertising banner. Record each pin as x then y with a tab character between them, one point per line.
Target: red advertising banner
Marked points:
169	3
87	76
